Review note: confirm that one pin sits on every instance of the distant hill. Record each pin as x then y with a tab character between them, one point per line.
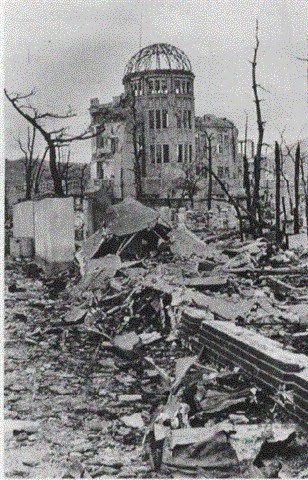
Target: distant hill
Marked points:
15	179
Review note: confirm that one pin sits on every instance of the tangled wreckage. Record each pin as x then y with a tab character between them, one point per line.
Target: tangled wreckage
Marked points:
214	329
235	369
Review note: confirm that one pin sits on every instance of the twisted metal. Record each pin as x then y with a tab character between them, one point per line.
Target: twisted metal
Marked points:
160	56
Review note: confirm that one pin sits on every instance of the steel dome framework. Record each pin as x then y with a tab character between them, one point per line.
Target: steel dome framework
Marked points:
160	56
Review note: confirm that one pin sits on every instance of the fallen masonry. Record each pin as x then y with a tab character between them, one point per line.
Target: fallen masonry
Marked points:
259	357
169	351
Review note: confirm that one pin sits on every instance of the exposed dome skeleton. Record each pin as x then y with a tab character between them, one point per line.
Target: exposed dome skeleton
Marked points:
160	56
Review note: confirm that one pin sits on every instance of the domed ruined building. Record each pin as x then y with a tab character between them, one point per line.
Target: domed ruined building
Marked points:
146	136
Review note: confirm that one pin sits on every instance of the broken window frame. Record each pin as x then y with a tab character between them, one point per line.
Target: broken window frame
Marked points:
166	153
164	85
158	153
180	153
179	119
151	119
190	152
177	86
137	88
151	86
185	118
158	119
165	119
152	154
186	153
189	119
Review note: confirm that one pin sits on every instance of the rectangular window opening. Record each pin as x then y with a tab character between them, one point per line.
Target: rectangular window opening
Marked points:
151	118
151	86
164	88
185	118
152	153
185	152
180	153
189	118
158	119
166	153
179	119
190	153
158	154
165	118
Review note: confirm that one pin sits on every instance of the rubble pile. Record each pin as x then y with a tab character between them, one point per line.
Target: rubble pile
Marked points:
96	362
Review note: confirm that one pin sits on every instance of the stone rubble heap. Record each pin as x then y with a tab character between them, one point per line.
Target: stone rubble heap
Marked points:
100	382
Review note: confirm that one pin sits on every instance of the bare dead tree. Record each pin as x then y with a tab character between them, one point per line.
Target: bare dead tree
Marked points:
189	184
255	206
53	138
136	130
300	173
82	179
208	152
277	196
39	173
28	160
64	167
304	175
296	188
232	201
246	175
283	174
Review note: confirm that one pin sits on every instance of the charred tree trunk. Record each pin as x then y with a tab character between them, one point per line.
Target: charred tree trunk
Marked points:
137	169
56	177
246	176
210	171
306	211
305	188
296	189
255	207
28	184
277	196
38	174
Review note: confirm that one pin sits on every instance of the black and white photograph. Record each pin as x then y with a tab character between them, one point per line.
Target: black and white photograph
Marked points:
155	239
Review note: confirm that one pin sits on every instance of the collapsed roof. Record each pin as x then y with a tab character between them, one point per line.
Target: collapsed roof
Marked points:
130	216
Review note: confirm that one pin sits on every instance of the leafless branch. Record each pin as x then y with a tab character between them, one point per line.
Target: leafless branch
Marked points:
55	115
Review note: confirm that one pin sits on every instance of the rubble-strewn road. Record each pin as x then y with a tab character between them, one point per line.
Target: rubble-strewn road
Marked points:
76	409
72	390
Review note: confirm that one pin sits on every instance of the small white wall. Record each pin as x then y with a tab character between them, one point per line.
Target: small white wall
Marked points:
54	229
23	219
93	171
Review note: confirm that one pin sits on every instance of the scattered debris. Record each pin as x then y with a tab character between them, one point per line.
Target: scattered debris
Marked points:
135	420
104	344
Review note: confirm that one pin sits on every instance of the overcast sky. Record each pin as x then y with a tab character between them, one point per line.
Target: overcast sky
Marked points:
74	50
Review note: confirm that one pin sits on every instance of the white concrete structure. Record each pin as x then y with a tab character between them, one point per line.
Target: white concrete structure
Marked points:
23	219
54	229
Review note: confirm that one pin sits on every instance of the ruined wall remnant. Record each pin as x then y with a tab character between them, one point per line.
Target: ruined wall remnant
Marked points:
23	219
54	229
